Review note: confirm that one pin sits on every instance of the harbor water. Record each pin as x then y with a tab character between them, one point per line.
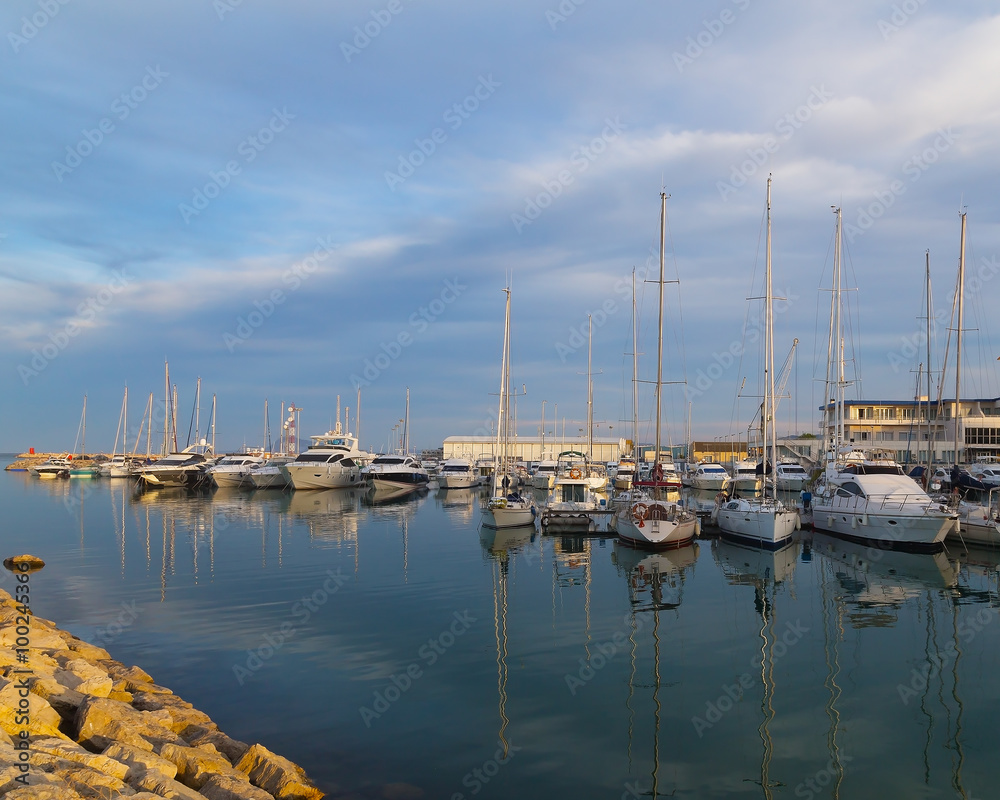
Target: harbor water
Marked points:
400	650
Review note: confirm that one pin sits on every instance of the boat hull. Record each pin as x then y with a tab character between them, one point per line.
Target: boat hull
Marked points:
923	533
662	527
509	516
758	526
313	476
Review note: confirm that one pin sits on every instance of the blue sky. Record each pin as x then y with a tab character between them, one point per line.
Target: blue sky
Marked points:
276	197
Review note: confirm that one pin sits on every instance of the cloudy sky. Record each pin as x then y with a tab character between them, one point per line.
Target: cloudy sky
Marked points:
291	199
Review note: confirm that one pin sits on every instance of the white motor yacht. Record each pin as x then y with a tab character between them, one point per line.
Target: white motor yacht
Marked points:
708	475
396	473
186	469
231	471
791	477
457	473
332	461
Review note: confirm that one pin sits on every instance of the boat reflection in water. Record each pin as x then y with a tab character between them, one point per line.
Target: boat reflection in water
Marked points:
460	505
767	572
655	583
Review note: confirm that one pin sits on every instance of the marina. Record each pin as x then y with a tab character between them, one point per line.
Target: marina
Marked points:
423	653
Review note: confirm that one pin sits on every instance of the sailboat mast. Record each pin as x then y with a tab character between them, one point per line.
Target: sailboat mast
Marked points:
83	426
125	425
406	424
768	355
500	456
659	343
958	337
635	378
166	401
927	273
590	388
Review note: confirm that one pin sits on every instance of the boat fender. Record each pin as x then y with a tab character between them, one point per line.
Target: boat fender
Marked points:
798	523
864	519
829	520
854	521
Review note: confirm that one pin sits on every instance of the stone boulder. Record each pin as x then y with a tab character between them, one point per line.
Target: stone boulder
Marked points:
200	736
139	761
196	765
276	775
162	786
223	787
100	722
43	720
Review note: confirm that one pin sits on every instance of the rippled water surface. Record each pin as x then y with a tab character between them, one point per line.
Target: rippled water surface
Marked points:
401	644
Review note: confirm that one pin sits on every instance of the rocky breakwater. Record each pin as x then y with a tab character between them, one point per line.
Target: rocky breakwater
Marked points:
77	724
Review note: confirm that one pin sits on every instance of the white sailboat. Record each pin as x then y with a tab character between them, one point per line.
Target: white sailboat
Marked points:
866	498
507	507
646	518
763	521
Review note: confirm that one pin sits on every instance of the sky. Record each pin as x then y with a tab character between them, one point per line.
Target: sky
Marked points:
293	201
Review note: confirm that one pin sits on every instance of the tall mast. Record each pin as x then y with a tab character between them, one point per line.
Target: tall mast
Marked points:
197	413
213	423
125	425
768	356
500	454
83	425
590	388
958	338
927	271
167	415
357	417
659	343
635	377
406	424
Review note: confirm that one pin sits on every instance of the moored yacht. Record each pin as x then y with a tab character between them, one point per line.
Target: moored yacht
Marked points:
395	473
745	475
457	473
791	477
708	475
545	472
184	469
332	461
55	467
231	471
271	474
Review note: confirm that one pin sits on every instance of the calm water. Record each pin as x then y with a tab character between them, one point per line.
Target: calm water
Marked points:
391	644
